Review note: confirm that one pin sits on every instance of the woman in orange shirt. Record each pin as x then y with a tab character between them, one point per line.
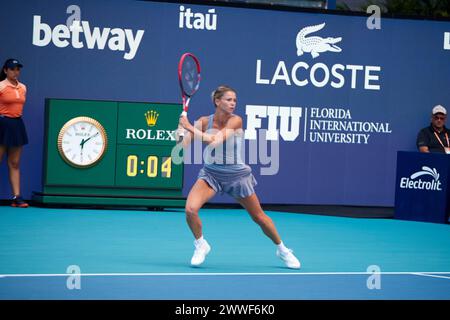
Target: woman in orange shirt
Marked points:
13	135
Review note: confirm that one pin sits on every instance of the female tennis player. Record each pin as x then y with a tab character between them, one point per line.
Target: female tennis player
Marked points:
226	173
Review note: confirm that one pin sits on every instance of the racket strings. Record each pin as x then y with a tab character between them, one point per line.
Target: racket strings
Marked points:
190	77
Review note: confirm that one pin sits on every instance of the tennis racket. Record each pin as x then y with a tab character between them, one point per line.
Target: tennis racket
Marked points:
189	78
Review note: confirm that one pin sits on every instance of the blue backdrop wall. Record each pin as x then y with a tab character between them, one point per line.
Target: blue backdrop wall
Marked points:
339	115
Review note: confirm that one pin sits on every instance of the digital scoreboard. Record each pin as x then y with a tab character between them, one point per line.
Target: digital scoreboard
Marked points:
111	153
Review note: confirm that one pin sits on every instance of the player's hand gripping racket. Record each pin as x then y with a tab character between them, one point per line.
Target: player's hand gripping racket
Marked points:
189	78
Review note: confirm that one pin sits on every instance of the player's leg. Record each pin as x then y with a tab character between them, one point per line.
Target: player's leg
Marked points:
200	193
253	207
14	154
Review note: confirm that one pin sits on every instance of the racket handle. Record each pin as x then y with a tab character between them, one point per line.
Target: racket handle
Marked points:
180	128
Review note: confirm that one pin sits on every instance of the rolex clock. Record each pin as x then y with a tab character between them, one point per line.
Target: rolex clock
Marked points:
111	153
82	142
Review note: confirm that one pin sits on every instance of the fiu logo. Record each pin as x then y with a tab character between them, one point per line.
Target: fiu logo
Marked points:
151	117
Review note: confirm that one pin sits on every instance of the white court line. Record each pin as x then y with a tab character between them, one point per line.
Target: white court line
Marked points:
220	274
430	275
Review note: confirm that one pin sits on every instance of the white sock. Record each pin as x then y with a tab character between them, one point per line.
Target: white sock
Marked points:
281	247
199	241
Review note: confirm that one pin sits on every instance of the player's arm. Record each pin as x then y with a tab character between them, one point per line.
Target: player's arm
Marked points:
195	131
198	130
233	125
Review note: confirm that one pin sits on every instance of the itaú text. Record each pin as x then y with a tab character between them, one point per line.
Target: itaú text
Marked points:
406	183
320	75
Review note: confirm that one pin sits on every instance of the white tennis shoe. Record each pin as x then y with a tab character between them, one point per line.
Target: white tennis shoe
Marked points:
289	259
201	250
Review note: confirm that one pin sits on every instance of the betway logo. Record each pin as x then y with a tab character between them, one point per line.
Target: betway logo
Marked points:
419	184
61	36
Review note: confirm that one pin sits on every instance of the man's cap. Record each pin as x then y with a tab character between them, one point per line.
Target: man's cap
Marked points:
439	109
13	63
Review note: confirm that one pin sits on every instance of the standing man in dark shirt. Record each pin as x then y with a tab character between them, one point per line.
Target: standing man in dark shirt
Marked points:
435	138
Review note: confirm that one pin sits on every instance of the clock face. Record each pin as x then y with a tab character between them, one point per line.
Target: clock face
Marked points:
82	142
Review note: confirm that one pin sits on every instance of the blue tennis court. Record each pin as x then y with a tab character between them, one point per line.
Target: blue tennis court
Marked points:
131	254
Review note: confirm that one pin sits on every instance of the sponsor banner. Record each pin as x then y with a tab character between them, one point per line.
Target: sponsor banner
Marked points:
414	182
326	102
421	187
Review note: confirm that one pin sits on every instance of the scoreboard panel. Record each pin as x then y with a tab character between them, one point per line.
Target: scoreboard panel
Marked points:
140	166
110	153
